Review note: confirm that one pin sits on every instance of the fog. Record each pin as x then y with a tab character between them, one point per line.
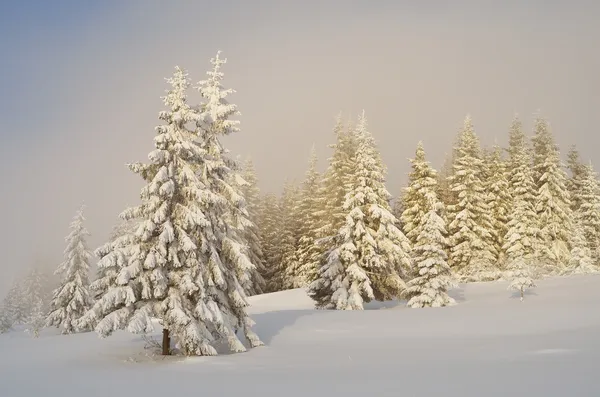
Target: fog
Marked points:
82	100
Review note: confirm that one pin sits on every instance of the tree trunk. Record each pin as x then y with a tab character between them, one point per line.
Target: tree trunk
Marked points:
166	343
522	293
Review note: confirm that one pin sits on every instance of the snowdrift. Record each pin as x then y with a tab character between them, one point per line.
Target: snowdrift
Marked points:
490	344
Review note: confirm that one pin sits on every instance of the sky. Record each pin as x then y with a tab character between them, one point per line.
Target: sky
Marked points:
81	83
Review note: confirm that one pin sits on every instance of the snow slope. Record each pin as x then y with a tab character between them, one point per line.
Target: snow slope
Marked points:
490	344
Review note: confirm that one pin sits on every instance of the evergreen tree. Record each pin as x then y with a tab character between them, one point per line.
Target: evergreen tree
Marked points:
444	193
15	305
552	204
575	181
251	195
222	174
336	182
422	183
521	277
581	261
182	264
430	287
522	237
71	300
5	324
289	236
499	200
471	254
35	284
269	224
589	211
371	253
308	252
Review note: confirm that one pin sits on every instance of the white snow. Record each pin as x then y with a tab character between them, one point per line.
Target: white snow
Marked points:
489	344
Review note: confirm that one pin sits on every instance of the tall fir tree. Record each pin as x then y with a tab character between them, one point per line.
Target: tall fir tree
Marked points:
581	260
251	194
552	203
71	300
289	235
588	214
574	183
433	274
472	254
36	283
499	200
422	182
269	225
371	254
182	264
336	181
15	305
522	239
309	253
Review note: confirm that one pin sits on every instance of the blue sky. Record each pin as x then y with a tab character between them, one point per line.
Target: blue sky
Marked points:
81	84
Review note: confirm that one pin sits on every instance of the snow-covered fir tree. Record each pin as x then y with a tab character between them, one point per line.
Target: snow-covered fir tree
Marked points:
522	237
371	254
521	277
5	324
269	225
472	253
422	183
552	203
251	194
182	264
289	230
309	253
336	181
445	194
15	305
581	261
35	285
433	275
71	300
574	183
498	199
222	173
588	214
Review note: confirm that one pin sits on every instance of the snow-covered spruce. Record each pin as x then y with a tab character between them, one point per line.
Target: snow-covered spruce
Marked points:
336	183
251	195
71	300
15	305
574	183
588	213
499	200
581	261
430	286
35	284
552	203
289	230
521	277
523	235
472	254
422	183
221	174
308	253
182	263
370	254
270	240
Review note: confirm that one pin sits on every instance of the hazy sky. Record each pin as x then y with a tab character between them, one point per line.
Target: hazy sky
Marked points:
81	84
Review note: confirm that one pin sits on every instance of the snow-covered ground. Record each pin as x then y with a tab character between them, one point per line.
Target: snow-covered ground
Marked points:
490	344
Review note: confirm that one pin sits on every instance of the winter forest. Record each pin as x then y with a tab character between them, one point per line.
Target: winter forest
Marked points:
203	238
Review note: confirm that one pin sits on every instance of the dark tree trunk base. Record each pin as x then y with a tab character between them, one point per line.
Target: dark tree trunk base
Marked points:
166	343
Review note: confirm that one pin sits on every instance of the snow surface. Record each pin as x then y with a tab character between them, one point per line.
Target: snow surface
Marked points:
490	344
